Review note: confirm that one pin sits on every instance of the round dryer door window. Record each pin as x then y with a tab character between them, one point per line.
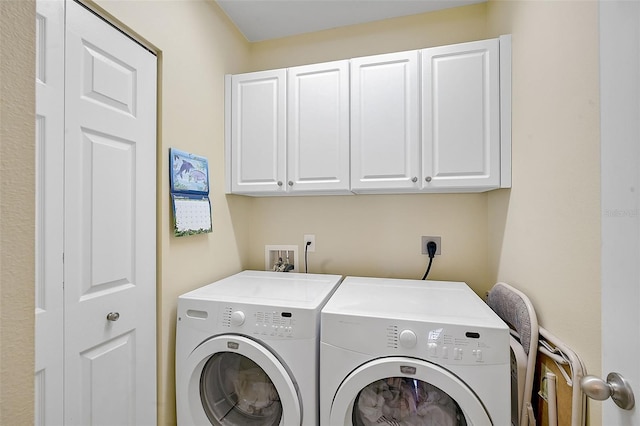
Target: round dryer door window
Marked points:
405	401
408	392
234	390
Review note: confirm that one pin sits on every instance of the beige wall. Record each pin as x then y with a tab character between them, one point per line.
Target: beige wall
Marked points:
17	210
541	236
378	235
411	32
545	232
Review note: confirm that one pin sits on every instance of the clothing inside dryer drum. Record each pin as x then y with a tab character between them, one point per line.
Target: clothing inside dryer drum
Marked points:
401	401
235	391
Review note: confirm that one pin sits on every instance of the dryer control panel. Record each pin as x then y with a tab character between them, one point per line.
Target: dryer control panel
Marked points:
452	344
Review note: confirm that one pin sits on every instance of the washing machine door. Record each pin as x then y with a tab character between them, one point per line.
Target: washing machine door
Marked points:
408	392
237	381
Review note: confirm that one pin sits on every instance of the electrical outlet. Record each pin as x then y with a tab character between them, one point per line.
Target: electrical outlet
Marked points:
436	240
312	239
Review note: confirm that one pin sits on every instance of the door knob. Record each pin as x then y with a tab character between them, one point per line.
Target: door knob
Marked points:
113	316
615	387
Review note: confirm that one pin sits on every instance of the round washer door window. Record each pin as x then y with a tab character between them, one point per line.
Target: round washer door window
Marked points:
235	381
234	390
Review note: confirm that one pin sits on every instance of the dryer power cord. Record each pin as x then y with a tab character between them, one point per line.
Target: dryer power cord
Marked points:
306	247
432	247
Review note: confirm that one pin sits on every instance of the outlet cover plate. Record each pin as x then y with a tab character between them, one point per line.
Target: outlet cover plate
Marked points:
426	239
311	238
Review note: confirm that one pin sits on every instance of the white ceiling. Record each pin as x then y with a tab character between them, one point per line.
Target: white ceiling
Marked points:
261	20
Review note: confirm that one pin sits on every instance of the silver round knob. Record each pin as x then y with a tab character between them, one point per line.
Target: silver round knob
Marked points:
428	178
616	388
290	183
113	316
414	179
237	318
279	183
408	339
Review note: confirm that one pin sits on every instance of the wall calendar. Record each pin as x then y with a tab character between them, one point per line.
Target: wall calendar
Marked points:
189	179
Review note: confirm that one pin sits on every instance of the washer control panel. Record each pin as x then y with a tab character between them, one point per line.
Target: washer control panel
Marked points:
276	323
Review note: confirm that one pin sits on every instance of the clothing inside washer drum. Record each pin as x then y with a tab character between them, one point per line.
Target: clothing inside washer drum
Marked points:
234	390
401	401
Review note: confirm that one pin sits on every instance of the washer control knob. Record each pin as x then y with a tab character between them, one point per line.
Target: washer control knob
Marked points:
237	318
408	339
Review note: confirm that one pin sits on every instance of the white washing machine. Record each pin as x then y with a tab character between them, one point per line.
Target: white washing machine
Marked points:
247	350
409	352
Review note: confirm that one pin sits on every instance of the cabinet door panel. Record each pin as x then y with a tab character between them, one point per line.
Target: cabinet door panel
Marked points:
384	128
461	116
258	132
318	127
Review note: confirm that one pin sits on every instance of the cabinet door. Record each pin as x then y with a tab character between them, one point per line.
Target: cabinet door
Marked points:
461	116
318	128
385	152
258	138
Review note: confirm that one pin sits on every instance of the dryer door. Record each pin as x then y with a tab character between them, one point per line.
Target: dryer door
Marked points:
236	381
406	391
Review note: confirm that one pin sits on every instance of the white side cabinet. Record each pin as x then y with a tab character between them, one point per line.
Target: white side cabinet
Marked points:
461	117
289	131
256	153
385	137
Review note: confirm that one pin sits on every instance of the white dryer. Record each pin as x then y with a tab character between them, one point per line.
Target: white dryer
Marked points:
247	350
410	352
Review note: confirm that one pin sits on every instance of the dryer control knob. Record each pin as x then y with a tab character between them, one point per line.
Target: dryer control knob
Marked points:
408	339
237	318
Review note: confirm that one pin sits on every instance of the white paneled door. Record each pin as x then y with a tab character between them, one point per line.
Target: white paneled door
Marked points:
109	296
49	212
620	168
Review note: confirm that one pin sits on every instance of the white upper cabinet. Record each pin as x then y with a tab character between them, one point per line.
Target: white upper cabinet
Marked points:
289	131
461	116
385	145
258	132
431	120
318	128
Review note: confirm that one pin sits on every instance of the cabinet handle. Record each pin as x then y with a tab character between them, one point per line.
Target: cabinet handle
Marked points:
279	183
428	178
290	183
414	179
